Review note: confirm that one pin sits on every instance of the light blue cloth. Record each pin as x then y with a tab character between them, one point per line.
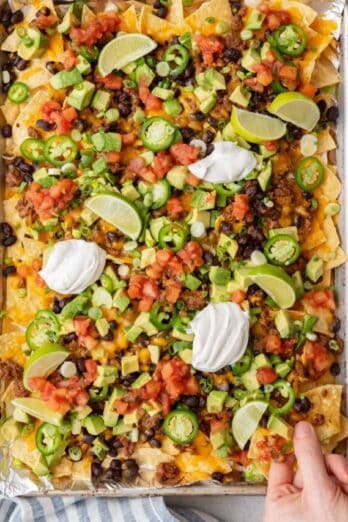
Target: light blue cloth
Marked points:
95	509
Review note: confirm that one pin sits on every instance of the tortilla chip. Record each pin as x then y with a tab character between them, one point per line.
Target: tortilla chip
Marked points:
301	13
10	110
331	185
148	460
6	399
11	347
331	233
317	43
63	468
325	318
36	75
324	73
129	21
175	12
159	29
326	403
315	238
21	310
325	142
26	250
339	258
220	10
329	445
87	17
327	378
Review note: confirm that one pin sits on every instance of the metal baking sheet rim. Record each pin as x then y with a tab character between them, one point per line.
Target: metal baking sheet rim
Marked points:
342	285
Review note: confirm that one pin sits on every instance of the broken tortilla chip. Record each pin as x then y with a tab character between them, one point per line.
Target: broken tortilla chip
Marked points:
11	347
331	185
325	411
329	445
129	21
217	10
325	142
339	258
175	12
159	29
324	73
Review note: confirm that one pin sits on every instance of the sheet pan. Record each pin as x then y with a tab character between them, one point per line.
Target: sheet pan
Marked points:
17	483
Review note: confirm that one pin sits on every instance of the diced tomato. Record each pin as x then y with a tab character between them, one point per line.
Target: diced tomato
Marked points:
288	75
175	267
254	84
308	90
70	114
172	292
144	288
209	46
273	343
192	255
121	407
217	425
318	354
275	18
238	296
136	165
48	108
154	271
128	139
263	73
177	378
184	154
192	180
148	174
174	207
271	447
43	22
113	157
111	81
266	375
162	163
69	59
48	201
321	299
91	370
104	23
145	304
240	206
270	145
164	256
241	458
165	402
82	398
151	102
153	389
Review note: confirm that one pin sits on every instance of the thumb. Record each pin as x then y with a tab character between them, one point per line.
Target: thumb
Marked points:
281	474
309	456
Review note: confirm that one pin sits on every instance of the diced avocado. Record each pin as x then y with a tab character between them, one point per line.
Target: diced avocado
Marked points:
252	474
81	96
242	277
289	231
298	284
254	21
192	282
240	96
83	65
249	379
101	100
219	294
76	426
131	419
66	24
64	79
32	45
211	80
163	94
145	72
107	141
40	467
208	103
264	50
121	428
106	375
264	178
129	364
143	320
283	323
283	369
9	431
202	94
94	424
155	353
228	133
261	360
280	427
143	379
83	413
216	400
130	192
203	200
173	107
20	415
228	245
156	225
133	333
186	355
181	335
177	176
110	416
88	216
149	240
99	449
102	326
231	402
217	439
148	256
120	300
199	215
219	276
265	153
315	268
152	408
250	58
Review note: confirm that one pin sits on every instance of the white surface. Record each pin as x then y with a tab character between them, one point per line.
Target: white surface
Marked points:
226	509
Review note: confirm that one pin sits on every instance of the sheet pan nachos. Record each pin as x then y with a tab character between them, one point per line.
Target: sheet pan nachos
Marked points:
170	232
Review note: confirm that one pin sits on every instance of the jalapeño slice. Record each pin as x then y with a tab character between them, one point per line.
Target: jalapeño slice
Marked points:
48	439
282	250
32	149
42	330
60	149
177	57
181	426
309	173
18	92
172	236
161	319
285	389
290	39
157	133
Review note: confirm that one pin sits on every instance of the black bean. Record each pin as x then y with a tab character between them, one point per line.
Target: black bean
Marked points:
125	110
208	136
124	97
187	134
21	65
251	188
17	17
302	405
81	364
335	369
131	463
111	127
212	121
116	443
332	114
109	336
157	4
322	106
113	475
80	124
116	464
53	67
6	16
6	229
44	11
177	92
208	257
8	241
6	131
210	148
336	326
192	401
5	87
68	338
225	227
96	469
112	452
25	167
155	443
112	236
113	325
161	11
218	476
9	270
202	403
45	125
198	115
232	54
28	178
88	439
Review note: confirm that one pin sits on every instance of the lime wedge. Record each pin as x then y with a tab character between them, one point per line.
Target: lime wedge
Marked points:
118	211
275	282
255	127
38	408
296	108
43	362
123	50
246	421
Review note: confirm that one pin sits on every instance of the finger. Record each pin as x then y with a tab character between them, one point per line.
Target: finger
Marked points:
338	466
298	479
309	457
281	473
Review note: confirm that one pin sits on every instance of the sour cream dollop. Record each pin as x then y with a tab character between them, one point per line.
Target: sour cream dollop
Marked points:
227	163
221	334
73	265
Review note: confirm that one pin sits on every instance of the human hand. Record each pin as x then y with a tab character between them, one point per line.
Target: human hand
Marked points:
319	490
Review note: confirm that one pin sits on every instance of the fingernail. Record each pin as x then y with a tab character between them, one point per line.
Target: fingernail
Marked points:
303	430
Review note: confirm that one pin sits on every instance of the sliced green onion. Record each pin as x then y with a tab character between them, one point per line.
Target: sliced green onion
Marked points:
163	69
